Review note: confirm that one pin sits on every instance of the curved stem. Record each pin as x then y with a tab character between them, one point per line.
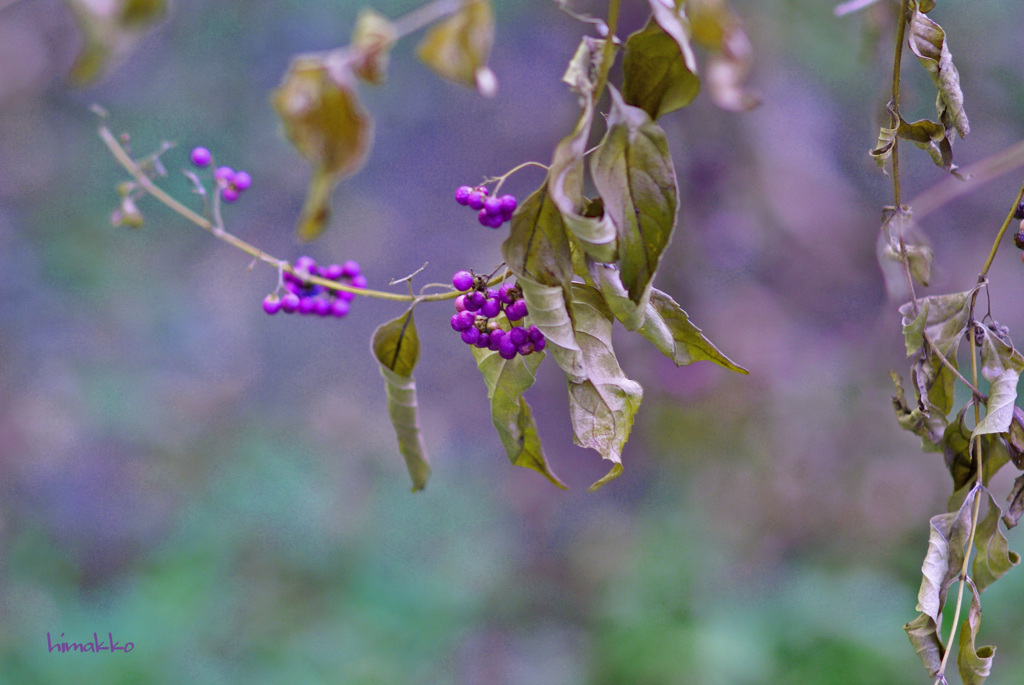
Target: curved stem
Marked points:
999	235
608	52
501	179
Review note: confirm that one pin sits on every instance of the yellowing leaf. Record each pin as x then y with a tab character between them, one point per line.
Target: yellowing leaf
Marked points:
537	247
716	27
457	49
109	30
928	42
323	118
973	663
371	43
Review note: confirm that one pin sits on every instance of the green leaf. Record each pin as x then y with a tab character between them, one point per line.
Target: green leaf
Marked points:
924	636
998	354
944	559
974	663
1002	395
506	381
596	235
634	176
457	49
109	31
929	426
603	405
659	71
928	42
994	557
537	247
946	321
549	312
913	328
372	39
323	118
396	347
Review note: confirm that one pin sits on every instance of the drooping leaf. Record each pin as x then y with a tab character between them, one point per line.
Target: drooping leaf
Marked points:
372	39
595	234
457	49
946	320
603	405
942	563
913	328
994	557
999	409
506	381
323	118
537	247
998	354
1014	503
899	233
924	636
1015	438
974	663
928	41
716	27
396	347
634	176
581	73
109	31
659	71
549	312
929	426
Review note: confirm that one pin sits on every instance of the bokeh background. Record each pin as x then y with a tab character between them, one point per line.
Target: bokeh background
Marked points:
223	490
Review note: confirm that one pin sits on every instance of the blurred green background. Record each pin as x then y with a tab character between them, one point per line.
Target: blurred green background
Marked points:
223	490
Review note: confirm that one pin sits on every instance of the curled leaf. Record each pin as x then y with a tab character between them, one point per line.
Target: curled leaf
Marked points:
973	663
898	228
1002	395
942	563
550	313
634	175
928	42
109	31
506	381
1014	503
929	426
396	347
457	49
372	39
659	71
994	557
924	636
325	121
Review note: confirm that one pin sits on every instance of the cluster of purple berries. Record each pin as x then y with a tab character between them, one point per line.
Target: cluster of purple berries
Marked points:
492	211
230	182
476	312
308	298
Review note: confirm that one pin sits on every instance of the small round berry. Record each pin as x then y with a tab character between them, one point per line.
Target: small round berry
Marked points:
307	305
495	221
460	303
538	345
305	263
462	195
271	304
518	336
483	341
516	310
483	218
224	175
503	293
229	194
476	200
475	300
290	303
346	295
492	206
526	348
494	339
351	269
534	333
241	180
1018	240
482	190
470	335
491	308
340	308
506	348
201	157
359	281
508	204
462	281
332	272
460	323
1019	214
323	306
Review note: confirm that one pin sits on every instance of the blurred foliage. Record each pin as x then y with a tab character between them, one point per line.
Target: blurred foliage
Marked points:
221	488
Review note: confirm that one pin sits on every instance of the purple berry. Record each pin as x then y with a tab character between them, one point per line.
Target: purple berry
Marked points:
483	341
307	305
495	221
482	190
490	308
538	345
483	218
534	333
332	272
224	175
494	339
323	306
201	157
271	304
229	194
351	269
476	200
492	206
503	293
518	336
516	310
466	320
459	323
241	180
462	195
475	300
346	295
339	308
305	263
526	348
462	281
508	205
359	281
470	335
506	348
290	303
